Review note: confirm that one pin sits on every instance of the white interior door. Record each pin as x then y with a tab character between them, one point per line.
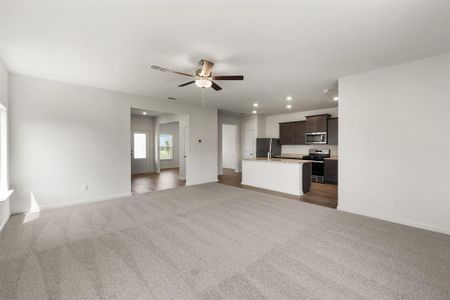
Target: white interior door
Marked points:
229	146
249	141
140	159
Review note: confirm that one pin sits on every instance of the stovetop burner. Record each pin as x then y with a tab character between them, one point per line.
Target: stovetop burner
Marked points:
317	154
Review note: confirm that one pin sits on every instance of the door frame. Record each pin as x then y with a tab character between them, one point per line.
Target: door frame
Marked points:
252	139
236	147
147	156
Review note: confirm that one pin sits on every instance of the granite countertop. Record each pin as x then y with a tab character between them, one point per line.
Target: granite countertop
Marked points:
290	155
299	156
288	160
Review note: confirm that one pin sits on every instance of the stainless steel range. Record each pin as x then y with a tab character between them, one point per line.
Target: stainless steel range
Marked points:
317	156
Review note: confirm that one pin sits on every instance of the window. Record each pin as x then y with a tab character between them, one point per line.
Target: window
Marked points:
165	146
140	145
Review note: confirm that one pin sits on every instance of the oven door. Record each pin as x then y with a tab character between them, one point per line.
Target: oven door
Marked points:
316	138
317	172
317	168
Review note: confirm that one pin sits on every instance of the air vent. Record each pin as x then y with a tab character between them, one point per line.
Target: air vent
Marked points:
172	98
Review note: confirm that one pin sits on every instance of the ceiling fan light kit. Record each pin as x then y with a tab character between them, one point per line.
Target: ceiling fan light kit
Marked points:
203	83
203	77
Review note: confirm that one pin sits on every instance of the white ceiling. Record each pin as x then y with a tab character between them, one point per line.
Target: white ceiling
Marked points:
297	47
148	113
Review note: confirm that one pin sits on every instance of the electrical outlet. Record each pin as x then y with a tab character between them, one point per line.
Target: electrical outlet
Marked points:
85	187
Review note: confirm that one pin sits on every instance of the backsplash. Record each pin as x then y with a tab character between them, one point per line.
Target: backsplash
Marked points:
303	149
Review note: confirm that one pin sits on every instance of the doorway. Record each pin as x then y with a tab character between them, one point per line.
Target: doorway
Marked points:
158	151
169	146
249	144
230	151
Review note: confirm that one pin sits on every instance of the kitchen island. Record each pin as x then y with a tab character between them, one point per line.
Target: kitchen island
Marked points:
290	176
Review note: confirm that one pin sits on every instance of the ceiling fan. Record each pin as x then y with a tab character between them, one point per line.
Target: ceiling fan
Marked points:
203	77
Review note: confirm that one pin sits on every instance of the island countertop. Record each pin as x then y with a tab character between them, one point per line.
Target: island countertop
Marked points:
289	176
283	160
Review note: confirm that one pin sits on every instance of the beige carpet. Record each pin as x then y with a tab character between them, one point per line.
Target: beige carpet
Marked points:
217	242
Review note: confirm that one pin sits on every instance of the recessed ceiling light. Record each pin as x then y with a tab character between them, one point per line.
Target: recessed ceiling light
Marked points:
336	98
144	112
289	98
255	104
254	112
288	106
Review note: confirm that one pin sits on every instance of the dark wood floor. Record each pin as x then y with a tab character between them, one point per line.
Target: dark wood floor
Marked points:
149	182
321	194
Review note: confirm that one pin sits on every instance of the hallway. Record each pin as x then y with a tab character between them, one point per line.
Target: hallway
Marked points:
149	182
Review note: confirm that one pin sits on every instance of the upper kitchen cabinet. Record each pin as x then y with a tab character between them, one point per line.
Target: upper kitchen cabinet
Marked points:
317	123
293	133
298	132
286	133
333	131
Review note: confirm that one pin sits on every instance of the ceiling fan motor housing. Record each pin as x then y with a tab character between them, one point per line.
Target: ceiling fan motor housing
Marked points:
206	68
198	73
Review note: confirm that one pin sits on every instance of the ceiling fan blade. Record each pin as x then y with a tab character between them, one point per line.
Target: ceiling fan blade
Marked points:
161	69
206	67
228	77
215	86
187	83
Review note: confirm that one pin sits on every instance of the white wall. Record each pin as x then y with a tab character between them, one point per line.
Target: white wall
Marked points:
65	135
394	161
147	124
229	147
255	124
273	131
4	202
202	147
231	119
249	123
260	126
173	129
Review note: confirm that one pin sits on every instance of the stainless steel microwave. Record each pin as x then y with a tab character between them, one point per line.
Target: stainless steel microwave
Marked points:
316	138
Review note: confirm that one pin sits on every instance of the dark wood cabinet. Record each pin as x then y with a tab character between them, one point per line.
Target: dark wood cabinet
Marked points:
306	176
298	132
310	124
331	171
293	133
286	133
318	123
333	131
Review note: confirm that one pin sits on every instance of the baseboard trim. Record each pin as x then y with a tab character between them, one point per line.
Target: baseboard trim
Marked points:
85	201
5	201
202	182
4	223
398	221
